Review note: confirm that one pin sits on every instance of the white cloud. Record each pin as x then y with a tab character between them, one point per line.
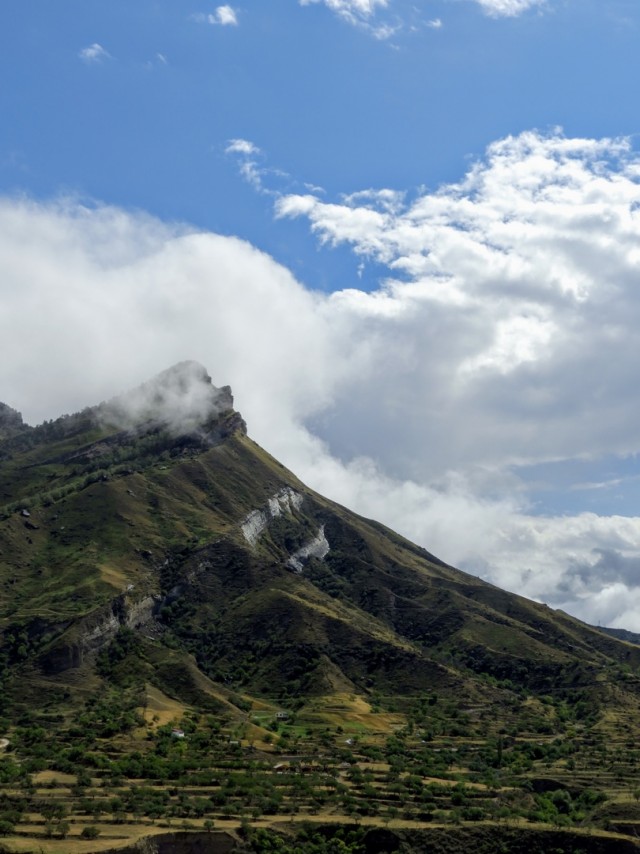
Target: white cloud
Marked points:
362	14
224	16
247	154
508	8
506	332
515	275
252	169
241	146
350	9
94	53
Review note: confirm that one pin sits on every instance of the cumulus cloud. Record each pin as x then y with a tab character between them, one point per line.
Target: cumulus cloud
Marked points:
516	277
94	53
225	16
133	295
504	336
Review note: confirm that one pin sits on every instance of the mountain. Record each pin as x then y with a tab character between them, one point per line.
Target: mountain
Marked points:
150	550
622	634
155	511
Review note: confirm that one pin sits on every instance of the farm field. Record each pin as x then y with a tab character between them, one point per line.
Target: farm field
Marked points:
120	772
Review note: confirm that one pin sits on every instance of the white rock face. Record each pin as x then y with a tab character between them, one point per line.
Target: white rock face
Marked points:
317	547
285	501
254	525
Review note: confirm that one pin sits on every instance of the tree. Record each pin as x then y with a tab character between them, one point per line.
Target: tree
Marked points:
54	815
6	827
90	832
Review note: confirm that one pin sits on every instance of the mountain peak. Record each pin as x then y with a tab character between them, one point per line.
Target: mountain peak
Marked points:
182	398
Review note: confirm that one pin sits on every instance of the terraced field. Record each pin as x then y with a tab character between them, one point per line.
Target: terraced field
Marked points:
120	771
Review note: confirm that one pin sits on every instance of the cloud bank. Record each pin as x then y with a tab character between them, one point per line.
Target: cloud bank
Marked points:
505	336
508	288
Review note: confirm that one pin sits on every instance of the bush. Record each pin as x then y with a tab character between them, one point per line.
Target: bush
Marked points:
90	832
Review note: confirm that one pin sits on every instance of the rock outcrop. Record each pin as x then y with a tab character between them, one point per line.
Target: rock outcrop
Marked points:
318	547
287	500
97	630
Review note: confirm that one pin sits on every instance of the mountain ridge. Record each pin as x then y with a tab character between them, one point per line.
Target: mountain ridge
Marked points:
266	515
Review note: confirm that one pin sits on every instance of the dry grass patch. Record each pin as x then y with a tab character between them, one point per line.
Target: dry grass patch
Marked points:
352	713
160	708
44	777
110	837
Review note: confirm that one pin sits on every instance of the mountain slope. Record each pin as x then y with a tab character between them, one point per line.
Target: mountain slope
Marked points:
156	512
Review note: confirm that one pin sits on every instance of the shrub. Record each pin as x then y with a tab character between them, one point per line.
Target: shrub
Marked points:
90	832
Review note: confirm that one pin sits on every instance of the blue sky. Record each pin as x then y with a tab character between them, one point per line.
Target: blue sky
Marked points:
405	232
144	122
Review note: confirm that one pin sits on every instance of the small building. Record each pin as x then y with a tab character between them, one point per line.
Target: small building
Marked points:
177	733
282	716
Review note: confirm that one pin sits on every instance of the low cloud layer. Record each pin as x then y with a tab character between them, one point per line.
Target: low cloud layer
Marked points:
505	334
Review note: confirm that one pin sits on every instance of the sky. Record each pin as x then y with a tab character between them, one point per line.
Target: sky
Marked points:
406	233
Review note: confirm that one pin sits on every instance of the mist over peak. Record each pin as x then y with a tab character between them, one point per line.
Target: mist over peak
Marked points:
182	398
10	421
